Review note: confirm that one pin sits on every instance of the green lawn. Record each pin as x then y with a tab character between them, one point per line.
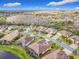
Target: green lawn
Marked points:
20	52
65	40
2	20
74	56
75	32
53	45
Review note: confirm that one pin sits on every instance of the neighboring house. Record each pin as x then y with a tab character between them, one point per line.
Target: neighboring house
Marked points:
64	33
76	24
51	30
10	37
25	41
74	39
38	48
3	28
58	54
41	28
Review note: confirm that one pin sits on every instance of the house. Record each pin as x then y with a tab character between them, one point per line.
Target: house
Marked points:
3	28
58	54
64	33
38	48
51	30
12	27
76	24
41	28
25	41
11	36
74	39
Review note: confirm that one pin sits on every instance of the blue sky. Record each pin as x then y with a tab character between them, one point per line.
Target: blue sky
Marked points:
38	4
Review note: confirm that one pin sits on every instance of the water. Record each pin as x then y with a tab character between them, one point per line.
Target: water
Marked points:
7	55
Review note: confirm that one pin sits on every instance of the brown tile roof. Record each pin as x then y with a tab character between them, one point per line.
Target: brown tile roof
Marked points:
58	54
75	38
25	39
52	30
40	47
65	33
11	36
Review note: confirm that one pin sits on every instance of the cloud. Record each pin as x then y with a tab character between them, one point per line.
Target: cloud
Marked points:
77	8
12	4
60	2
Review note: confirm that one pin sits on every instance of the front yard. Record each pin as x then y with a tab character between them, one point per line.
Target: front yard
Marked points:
54	45
72	56
65	40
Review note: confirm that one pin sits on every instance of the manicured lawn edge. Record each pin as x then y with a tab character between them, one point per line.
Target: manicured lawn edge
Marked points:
20	52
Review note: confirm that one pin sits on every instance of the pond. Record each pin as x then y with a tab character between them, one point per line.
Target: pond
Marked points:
7	55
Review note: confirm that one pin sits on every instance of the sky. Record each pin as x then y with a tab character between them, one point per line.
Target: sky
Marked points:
38	4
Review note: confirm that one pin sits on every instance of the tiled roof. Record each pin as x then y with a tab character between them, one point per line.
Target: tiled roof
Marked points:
25	39
10	37
75	38
58	54
40	46
65	33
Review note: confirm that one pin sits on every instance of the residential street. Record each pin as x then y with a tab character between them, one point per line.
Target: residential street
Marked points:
62	44
68	49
